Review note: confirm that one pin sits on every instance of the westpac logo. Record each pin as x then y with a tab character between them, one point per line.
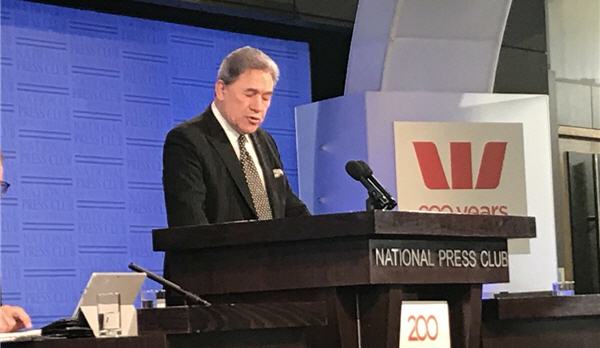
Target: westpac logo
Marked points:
461	165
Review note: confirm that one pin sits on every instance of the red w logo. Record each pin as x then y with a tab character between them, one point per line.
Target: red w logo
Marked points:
461	165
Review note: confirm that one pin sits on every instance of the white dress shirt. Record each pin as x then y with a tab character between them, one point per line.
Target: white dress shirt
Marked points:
233	136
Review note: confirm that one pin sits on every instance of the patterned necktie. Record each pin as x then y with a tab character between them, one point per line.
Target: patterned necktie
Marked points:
257	189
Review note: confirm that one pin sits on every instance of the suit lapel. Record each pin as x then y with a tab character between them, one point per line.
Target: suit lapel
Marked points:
263	156
220	142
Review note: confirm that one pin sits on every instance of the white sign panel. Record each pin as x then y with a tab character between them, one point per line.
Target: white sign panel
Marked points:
424	324
461	168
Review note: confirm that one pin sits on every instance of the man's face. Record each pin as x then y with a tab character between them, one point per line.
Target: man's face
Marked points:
244	103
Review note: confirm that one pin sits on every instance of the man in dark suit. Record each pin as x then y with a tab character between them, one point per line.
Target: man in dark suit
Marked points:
221	166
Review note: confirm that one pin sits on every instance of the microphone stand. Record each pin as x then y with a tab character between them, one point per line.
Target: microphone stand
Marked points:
370	204
377	201
189	297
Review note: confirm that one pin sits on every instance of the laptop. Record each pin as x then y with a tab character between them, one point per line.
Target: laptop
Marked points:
126	285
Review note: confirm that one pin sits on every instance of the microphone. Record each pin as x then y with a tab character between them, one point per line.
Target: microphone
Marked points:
189	297
379	198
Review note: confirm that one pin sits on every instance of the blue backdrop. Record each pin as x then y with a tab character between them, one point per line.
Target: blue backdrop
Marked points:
87	99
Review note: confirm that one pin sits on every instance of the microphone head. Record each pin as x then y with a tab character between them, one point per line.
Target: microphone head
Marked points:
365	168
358	170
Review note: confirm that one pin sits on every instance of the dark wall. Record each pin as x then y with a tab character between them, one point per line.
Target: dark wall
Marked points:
327	27
303	12
523	63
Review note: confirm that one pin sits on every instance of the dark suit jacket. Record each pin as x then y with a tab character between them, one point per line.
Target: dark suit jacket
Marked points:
203	180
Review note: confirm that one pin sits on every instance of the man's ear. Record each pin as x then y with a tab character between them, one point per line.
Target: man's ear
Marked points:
220	90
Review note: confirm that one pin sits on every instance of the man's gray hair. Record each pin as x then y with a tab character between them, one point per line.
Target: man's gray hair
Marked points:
243	59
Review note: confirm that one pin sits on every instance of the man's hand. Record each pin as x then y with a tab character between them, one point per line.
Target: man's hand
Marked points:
13	318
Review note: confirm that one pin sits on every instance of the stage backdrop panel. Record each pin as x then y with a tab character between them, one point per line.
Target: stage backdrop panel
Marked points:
87	99
361	126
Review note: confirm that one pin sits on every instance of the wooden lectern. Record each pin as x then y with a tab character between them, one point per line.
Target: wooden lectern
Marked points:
361	265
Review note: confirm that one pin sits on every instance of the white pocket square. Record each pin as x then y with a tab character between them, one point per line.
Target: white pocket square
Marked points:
277	173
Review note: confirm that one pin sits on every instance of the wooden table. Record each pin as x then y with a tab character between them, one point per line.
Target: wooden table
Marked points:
261	325
542	321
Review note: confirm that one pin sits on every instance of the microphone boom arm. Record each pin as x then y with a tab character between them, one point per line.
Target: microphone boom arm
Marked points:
189	296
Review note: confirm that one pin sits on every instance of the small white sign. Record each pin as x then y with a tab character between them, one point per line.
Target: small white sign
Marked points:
424	324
